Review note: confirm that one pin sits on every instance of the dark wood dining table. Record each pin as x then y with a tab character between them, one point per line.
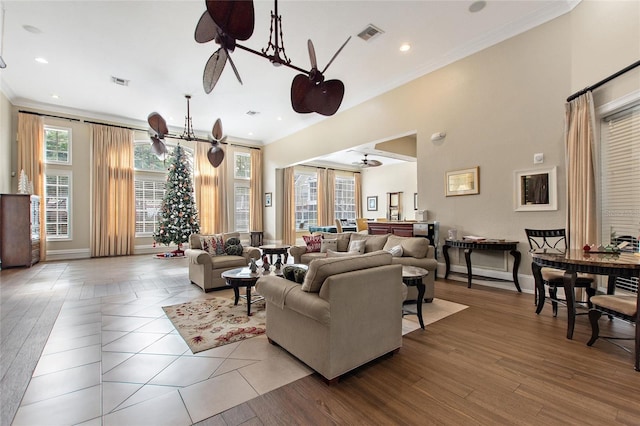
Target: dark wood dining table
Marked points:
613	265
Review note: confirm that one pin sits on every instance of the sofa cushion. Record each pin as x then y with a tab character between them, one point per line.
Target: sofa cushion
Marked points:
233	247
320	269
212	244
331	253
371	242
417	247
313	242
342	237
228	262
328	244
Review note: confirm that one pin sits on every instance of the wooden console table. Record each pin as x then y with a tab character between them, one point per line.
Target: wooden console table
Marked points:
470	245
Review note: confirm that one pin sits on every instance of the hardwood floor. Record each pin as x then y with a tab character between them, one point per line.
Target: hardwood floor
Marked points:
493	363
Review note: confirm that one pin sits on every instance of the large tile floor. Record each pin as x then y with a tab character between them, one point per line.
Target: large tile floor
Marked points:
113	358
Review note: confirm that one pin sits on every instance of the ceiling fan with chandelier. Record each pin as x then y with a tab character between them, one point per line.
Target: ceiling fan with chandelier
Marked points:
365	162
227	21
215	155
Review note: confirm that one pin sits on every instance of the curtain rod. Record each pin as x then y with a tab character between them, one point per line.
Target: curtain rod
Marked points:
48	115
604	81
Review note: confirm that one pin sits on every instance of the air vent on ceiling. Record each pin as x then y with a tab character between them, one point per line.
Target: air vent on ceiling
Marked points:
120	81
370	32
252	113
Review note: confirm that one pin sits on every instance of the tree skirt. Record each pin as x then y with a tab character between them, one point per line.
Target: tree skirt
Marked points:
209	323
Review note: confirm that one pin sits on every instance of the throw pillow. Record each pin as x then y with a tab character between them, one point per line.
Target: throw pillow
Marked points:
212	244
328	245
396	251
232	247
313	242
294	273
356	247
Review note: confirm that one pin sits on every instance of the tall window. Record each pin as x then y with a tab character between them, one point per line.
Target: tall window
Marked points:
150	185
57	205
57	145
306	196
345	198
241	190
620	170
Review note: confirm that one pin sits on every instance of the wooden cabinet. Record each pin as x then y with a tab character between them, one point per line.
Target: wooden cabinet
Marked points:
402	229
19	230
394	205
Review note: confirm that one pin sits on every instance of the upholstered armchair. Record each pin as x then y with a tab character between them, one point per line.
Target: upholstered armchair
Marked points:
205	268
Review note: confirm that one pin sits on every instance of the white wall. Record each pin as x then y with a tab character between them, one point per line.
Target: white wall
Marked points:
377	181
5	145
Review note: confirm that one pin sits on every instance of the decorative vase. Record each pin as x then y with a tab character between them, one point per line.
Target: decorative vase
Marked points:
252	265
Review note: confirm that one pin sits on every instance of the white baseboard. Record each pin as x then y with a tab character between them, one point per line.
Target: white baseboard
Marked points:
527	283
68	254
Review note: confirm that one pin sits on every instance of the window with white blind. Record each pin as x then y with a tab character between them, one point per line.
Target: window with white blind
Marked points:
149	195
620	172
345	198
57	145
58	205
306	199
241	192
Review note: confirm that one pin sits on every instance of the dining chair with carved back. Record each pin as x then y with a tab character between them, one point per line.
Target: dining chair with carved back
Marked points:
554	240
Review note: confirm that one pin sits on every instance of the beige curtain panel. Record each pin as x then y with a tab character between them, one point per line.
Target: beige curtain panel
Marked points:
581	198
209	182
323	203
255	202
31	160
289	208
113	224
357	177
331	196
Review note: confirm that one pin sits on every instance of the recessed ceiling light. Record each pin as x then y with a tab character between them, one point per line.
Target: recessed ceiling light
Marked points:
405	47
32	29
54	96
42	60
477	6
279	118
250	133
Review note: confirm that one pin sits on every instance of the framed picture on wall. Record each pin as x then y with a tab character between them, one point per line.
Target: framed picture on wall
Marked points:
462	182
372	203
535	190
267	199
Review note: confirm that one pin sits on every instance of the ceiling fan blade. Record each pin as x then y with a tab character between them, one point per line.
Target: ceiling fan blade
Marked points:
233	66
312	54
300	86
206	30
235	18
158	124
217	130
215	155
336	54
213	69
158	147
326	97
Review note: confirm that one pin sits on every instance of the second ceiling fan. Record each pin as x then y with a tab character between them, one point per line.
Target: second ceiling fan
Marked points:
365	162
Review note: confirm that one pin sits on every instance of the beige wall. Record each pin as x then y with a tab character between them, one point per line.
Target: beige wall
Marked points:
377	181
499	107
5	145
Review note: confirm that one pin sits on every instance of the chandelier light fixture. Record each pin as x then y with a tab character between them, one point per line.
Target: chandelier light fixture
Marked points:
226	22
160	132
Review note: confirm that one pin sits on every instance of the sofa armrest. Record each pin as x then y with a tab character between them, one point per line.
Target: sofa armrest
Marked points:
249	252
297	252
198	257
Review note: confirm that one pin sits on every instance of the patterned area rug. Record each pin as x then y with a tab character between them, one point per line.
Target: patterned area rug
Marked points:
209	323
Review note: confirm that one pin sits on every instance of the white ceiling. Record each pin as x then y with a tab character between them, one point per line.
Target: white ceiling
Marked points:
151	44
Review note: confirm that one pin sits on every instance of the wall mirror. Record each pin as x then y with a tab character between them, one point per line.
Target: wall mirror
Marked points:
536	190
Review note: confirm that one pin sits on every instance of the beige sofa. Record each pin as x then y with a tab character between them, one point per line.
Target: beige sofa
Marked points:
205	269
416	252
347	312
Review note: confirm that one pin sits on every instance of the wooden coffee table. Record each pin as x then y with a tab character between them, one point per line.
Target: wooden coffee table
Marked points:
412	276
276	250
243	277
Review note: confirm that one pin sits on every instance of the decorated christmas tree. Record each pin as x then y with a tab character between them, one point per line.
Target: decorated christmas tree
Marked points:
178	216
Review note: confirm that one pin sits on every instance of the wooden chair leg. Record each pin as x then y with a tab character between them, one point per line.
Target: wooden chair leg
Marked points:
590	293
594	316
553	295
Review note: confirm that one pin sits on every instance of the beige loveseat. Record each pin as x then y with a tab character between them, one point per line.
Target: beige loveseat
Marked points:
347	312
416	252
205	269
